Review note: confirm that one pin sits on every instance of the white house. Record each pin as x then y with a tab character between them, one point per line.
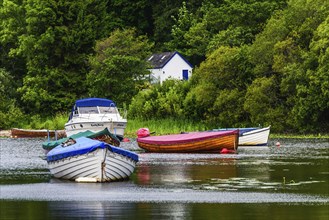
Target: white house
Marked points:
169	65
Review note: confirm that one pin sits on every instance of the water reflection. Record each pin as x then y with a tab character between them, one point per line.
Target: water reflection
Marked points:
239	186
95	209
178	169
31	210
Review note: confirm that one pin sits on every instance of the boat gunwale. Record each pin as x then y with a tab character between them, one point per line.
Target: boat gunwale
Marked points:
255	131
84	122
62	154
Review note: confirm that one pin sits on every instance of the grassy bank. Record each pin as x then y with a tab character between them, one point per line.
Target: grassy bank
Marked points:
171	126
52	123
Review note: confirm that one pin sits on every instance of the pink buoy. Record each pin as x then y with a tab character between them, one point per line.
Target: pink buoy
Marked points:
143	132
125	140
227	151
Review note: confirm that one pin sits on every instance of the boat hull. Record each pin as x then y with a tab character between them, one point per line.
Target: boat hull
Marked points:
102	165
209	143
116	128
258	137
100	162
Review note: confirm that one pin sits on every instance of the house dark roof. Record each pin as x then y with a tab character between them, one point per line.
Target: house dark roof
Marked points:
159	60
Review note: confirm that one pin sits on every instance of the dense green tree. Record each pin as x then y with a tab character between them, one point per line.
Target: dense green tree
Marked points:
136	14
288	48
312	104
181	25
199	100
10	114
166	14
263	104
169	99
143	104
227	110
160	101
12	25
245	19
119	67
58	37
223	77
218	23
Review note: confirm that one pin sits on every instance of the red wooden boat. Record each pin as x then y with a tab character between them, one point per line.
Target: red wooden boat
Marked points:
29	133
195	142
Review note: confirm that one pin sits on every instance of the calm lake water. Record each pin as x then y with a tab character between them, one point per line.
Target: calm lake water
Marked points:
286	182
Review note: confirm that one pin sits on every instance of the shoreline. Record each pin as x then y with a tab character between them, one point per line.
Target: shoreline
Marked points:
7	134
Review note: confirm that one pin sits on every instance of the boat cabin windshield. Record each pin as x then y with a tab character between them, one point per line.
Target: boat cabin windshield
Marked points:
108	110
88	110
97	110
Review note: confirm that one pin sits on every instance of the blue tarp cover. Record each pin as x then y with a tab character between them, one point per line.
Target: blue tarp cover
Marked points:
94	102
85	145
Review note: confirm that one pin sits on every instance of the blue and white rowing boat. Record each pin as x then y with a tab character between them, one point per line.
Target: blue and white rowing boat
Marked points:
92	161
251	136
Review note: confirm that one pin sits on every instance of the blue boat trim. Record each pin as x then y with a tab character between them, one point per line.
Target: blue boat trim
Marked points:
124	152
264	144
85	145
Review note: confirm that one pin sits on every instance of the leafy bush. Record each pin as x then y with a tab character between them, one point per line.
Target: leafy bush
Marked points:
159	101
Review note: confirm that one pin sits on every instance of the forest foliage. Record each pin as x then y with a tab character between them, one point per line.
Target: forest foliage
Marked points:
256	62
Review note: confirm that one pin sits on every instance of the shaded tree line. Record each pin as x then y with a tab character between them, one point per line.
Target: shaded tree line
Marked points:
256	61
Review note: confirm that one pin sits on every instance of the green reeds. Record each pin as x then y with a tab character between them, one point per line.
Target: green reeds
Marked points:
52	123
163	126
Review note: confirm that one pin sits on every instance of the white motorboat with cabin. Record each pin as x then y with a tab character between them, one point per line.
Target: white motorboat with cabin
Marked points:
95	114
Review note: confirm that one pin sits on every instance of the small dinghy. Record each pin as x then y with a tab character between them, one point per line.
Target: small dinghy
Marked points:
194	142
